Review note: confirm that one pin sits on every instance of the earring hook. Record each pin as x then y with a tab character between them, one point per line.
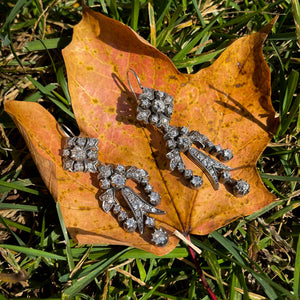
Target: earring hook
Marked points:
138	80
65	130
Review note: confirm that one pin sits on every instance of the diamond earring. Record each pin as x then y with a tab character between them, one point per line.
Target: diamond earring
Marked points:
156	108
81	155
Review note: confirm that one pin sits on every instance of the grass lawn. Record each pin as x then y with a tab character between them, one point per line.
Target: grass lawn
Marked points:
257	257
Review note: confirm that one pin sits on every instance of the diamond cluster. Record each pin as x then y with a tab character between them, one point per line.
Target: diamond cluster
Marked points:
80	155
113	179
155	107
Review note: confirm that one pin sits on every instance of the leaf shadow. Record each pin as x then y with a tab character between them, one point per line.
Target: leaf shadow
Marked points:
244	112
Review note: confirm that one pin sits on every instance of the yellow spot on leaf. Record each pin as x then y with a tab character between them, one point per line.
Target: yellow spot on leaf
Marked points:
95	101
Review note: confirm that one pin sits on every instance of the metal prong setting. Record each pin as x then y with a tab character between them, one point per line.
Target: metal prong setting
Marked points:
80	154
113	180
156	107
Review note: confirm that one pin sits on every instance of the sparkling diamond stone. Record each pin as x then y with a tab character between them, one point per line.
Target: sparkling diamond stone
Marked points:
171	144
78	166
169	110
158	106
118	181
143	115
172	133
92	143
154	198
227	154
120	169
71	141
241	188
68	164
66	152
173	164
172	154
154	119
130	173
147	93
122	216
107	206
159	94
143	173
196	181
160	237
188	174
168	99
184	130
145	103
91	166
163	121
148	188
130	225
78	153
81	141
150	222
104	184
225	177
108	200
184	142
92	154
104	171
181	167
117	209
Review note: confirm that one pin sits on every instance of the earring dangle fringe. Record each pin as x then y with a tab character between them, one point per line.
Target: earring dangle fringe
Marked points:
156	108
81	155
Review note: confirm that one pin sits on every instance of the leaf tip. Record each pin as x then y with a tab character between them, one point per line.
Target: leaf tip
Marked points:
267	28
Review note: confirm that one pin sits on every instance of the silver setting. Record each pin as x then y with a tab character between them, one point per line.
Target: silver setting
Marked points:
80	155
156	107
160	237
113	181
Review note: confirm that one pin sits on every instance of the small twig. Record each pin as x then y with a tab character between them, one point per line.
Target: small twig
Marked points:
192	249
188	242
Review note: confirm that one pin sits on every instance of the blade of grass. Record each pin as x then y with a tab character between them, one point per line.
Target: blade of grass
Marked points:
51	97
13	13
83	282
41	45
63	83
152	23
281	178
296	285
33	252
199	13
66	237
21	207
135	14
18	239
18	186
182	53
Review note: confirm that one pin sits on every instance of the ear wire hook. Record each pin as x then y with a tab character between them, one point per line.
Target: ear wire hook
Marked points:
65	130
138	80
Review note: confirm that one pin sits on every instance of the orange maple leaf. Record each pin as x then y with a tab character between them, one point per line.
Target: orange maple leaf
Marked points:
229	102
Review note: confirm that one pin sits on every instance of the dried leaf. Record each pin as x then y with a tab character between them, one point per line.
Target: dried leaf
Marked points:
229	102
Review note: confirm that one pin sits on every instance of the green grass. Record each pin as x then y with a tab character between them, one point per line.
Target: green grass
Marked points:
257	257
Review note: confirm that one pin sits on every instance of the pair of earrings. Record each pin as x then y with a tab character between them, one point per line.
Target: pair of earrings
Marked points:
154	107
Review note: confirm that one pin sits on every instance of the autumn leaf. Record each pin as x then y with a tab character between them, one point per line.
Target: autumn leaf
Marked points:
229	102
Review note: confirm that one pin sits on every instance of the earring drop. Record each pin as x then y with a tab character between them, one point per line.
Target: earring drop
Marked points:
156	108
81	155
